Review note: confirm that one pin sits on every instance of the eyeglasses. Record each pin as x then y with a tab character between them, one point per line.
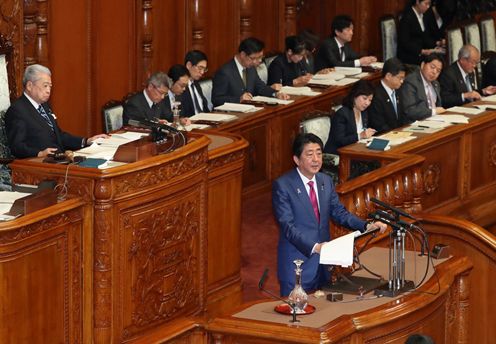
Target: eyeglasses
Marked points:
256	58
162	91
202	69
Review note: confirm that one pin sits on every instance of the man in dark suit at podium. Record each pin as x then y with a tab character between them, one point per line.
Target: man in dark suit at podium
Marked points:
384	111
303	201
336	50
192	100
150	104
238	80
31	125
459	84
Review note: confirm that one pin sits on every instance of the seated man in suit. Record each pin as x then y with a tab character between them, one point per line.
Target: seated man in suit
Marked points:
417	33
192	100
489	72
384	114
459	84
238	80
303	201
336	50
32	129
288	68
150	104
420	93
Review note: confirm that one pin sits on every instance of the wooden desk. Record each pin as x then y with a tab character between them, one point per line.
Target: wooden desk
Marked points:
439	310
41	275
270	133
148	243
459	172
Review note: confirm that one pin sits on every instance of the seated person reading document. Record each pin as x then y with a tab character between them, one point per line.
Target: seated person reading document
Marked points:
192	100
32	128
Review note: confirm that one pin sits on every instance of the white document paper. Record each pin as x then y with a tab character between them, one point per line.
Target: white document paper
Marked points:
97	151
431	124
489	98
299	91
328	76
466	110
338	251
195	126
9	197
348	70
486	107
235	107
360	75
449	118
377	65
272	100
212	116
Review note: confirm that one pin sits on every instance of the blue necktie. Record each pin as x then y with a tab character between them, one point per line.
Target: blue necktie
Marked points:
393	100
43	114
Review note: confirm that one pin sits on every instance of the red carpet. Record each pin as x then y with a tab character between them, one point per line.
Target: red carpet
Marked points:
259	235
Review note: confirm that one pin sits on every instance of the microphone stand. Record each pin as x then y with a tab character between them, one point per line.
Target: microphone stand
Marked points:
290	304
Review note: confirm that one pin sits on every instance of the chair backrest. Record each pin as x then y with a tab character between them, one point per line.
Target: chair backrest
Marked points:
318	123
206	86
455	42
263	72
268	60
389	37
488	34
472	35
112	115
7	74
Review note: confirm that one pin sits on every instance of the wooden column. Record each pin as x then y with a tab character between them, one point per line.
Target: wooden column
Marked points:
146	43
30	28
290	17
197	24
41	49
245	24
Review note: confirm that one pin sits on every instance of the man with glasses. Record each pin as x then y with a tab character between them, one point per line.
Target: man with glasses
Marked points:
420	93
192	100
459	84
238	80
150	104
32	128
384	111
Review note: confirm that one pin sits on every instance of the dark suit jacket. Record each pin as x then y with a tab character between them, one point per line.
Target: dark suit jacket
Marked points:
187	102
299	230
382	116
228	85
453	85
283	71
28	133
489	73
343	129
414	103
328	55
411	38
137	108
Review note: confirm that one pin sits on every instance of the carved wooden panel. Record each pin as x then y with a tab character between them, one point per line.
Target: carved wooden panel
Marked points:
41	288
161	245
11	29
483	156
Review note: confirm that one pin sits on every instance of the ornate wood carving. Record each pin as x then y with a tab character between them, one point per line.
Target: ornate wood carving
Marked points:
41	49
146	42
12	30
290	11
492	154
225	159
245	22
139	180
30	31
431	178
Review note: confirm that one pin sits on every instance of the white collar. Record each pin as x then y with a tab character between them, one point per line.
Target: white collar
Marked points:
32	101
305	180
389	90
464	74
148	100
340	45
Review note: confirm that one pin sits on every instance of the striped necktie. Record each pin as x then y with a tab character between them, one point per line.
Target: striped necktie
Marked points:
43	114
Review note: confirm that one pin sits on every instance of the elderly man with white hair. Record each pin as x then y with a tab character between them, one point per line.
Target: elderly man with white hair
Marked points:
32	128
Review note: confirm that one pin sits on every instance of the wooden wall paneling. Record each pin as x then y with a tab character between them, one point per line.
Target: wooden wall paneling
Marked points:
245	19
145	43
41	46
113	53
195	38
169	33
11	27
29	33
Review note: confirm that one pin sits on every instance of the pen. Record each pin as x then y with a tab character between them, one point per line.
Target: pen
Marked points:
423	126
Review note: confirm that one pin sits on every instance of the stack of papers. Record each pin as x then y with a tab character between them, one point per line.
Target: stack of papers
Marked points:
360	75
328	76
397	137
97	151
431	124
456	119
7	200
195	126
489	98
486	107
235	107
377	65
465	110
299	91
217	117
332	82
348	70
271	100
338	251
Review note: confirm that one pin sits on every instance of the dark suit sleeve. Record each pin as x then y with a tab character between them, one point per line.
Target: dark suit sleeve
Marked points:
376	113
276	73
450	92
283	212
17	134
413	106
341	130
328	56
132	111
221	89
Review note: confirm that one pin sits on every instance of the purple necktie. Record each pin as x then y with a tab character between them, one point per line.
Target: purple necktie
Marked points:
313	200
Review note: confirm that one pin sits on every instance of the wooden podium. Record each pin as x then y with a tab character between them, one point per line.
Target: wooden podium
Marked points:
155	225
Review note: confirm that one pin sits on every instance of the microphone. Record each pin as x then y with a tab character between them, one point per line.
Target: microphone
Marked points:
260	286
147	123
386	220
385	215
393	209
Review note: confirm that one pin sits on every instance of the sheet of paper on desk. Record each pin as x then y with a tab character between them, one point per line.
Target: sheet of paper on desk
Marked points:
97	151
129	135
117	140
328	76
348	70
299	91
449	118
195	126
377	65
212	116
489	98
466	110
235	107
486	107
9	197
431	124
397	137
272	100
415	129
338	251
360	75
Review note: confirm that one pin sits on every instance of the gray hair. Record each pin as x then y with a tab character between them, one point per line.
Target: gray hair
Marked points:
466	50
32	73
160	79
